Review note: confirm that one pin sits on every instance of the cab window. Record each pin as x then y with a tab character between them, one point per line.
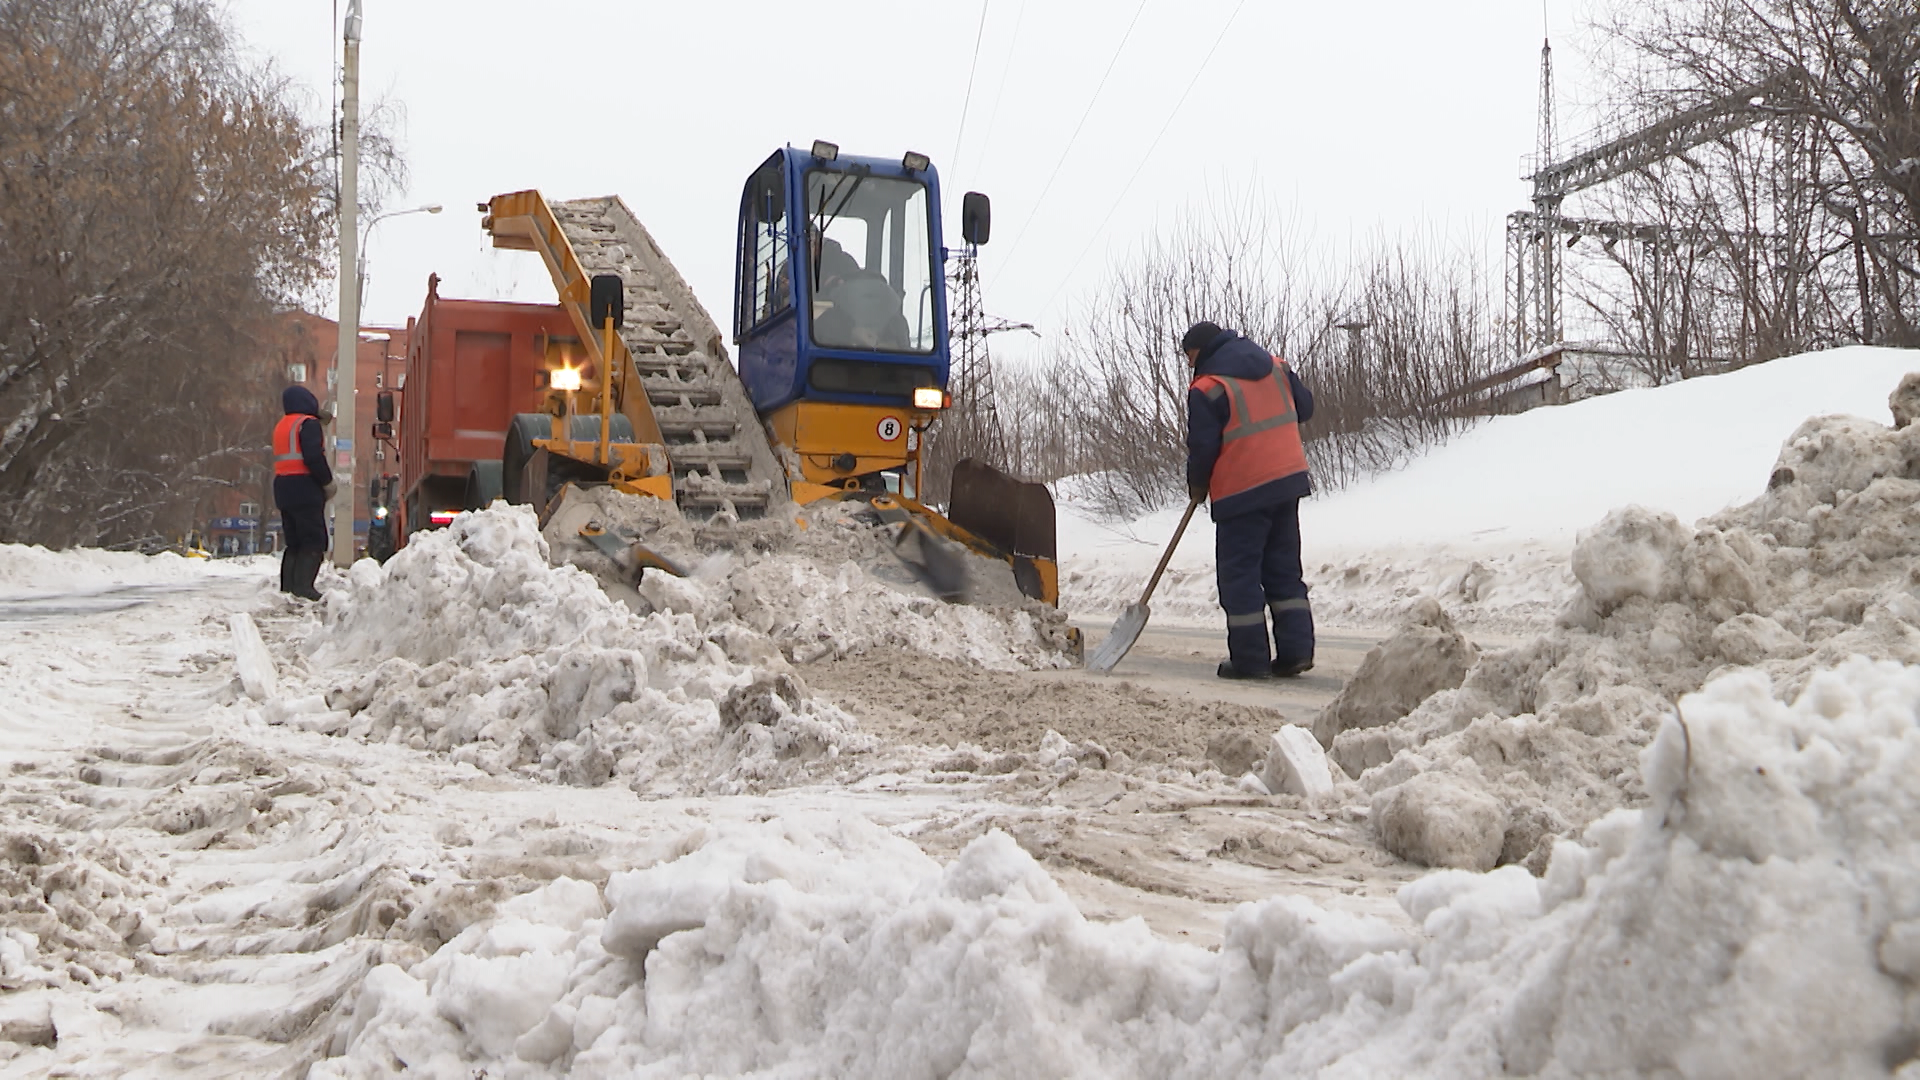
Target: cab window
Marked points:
764	289
870	276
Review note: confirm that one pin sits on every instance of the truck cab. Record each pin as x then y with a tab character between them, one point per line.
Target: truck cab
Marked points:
840	310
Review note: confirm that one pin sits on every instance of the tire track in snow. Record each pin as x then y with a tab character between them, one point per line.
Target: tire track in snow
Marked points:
211	900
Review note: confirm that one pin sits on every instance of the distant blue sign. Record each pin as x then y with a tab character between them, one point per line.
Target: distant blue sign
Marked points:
234	524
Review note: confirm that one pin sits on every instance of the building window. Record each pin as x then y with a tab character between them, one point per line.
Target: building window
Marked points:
249	509
297	372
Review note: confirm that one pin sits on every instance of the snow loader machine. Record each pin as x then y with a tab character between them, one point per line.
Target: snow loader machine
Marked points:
840	317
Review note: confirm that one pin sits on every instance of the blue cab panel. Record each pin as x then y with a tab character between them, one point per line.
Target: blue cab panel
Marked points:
860	316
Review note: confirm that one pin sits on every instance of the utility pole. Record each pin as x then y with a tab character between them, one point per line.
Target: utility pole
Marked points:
344	423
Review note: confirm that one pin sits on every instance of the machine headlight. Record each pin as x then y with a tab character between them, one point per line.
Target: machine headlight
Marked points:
825	150
380	513
565	378
914	161
929	397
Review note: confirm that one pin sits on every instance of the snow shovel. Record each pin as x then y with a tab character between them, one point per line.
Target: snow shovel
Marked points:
1127	629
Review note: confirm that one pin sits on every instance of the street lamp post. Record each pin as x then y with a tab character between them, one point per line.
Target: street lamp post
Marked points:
360	272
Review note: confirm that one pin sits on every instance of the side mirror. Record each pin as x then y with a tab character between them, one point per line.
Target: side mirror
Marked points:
382	429
383	407
976	218
607	300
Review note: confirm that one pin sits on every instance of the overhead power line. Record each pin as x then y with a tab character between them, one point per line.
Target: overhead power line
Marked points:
1013	49
954	161
1145	157
1067	149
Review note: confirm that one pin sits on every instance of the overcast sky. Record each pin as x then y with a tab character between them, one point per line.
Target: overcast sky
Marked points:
1400	117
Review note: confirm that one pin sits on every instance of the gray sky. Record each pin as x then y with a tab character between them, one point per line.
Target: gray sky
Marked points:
1406	117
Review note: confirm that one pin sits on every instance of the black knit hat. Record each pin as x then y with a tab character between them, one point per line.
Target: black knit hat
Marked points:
1199	336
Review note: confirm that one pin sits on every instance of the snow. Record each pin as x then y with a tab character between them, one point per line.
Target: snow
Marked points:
471	815
1758	918
1491	516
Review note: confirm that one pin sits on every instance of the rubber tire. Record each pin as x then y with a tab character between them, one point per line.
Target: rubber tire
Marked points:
527	427
518	450
484	484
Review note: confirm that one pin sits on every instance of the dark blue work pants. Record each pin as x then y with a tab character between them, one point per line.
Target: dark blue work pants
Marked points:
1258	557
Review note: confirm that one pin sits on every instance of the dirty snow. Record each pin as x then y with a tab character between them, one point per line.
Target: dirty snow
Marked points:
786	818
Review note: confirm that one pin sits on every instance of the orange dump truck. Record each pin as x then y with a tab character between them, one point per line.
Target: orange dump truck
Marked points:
471	365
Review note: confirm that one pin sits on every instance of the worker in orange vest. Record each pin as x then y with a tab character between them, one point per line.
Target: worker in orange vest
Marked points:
302	487
1244	452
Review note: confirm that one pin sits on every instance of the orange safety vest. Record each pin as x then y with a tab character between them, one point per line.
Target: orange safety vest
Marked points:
1261	442
287	458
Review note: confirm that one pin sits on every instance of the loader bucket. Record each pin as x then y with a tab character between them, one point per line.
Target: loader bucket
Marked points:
1014	517
939	564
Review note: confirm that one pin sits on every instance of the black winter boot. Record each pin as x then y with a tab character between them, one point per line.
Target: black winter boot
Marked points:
1227	670
305	572
286	570
1290	669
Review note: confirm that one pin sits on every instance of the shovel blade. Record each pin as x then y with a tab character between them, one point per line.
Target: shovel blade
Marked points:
1126	631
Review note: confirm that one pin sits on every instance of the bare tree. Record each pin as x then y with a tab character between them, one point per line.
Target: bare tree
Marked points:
1110	404
155	195
1818	220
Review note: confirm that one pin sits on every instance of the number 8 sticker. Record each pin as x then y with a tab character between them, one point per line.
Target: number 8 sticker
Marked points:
889	428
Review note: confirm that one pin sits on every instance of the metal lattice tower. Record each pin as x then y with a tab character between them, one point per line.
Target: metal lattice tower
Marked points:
1533	254
1533	237
972	426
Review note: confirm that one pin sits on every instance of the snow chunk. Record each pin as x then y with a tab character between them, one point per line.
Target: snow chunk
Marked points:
252	662
1632	552
1436	820
1296	765
1426	655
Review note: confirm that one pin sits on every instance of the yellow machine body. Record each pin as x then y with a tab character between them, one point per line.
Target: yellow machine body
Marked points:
523	221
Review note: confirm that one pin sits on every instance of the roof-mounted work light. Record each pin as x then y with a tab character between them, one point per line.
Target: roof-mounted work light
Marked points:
825	150
915	161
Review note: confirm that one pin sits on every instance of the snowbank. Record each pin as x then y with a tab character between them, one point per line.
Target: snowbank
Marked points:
1485	522
31	570
1761	916
478	647
1816	570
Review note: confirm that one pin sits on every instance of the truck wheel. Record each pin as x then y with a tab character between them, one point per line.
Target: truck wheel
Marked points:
484	484
525	428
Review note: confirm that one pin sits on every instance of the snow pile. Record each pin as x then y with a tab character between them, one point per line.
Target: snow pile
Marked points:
482	649
1760	917
1541	738
824	583
486	652
32	570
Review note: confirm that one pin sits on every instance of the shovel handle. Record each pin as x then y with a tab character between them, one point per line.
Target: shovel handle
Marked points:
1167	556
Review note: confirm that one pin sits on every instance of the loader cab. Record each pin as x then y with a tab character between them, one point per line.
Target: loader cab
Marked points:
840	294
